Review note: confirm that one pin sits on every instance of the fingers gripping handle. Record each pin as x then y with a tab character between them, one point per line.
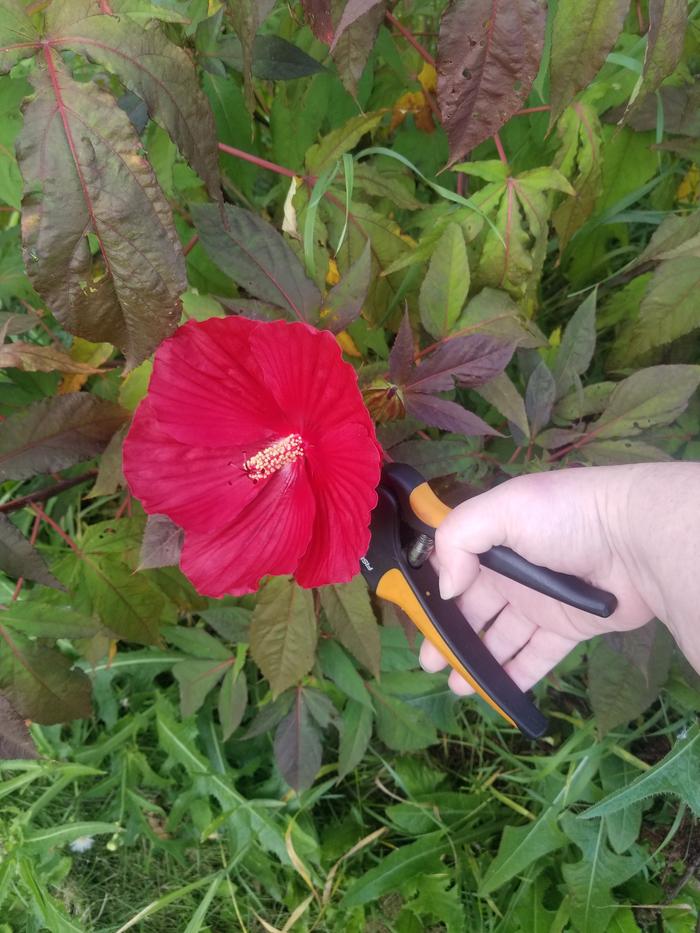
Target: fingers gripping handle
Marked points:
422	508
562	586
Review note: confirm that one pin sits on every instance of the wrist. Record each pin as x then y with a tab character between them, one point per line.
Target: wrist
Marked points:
656	531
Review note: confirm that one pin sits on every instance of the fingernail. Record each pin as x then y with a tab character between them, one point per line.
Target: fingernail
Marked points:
447	587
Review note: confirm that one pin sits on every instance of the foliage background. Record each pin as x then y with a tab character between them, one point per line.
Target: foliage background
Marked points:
281	763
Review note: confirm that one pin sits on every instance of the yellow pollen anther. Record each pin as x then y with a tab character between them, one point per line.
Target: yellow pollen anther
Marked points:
273	458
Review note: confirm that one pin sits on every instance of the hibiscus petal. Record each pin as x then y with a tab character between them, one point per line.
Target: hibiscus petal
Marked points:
197	487
268	537
304	371
206	389
344	468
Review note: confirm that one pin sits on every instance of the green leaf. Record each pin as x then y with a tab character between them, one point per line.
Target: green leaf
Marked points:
350	615
344	301
582	36
653	396
668	311
628	163
17	34
257	257
283	633
674	237
577	346
55	433
355	733
675	774
15	741
298	745
233	127
539	397
337	665
520	847
247	16
446	284
128	294
330	149
400	725
624	825
502	394
48	618
620	685
585	401
495	314
592	879
196	642
196	679
233	699
274	59
579	159
401	866
12	92
668	20
45	839
103	581
18	558
39	681
197	919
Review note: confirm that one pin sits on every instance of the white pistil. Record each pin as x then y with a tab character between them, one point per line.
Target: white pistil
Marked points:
273	458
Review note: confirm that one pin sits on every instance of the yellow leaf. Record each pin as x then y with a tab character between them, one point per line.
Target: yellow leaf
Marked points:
347	344
555	337
83	351
332	275
413	102
427	78
689	188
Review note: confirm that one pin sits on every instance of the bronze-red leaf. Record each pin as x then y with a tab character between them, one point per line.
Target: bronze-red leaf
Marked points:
488	56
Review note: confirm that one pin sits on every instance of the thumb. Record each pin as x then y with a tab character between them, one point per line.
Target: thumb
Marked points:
470	529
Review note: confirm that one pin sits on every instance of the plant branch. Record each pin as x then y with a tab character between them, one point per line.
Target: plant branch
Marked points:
410	38
499	148
37	509
41	495
256	160
521	113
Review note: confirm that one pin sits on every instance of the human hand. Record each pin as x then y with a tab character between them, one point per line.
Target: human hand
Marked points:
574	521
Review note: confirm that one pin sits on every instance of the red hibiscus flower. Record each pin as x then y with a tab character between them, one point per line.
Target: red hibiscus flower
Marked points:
254	439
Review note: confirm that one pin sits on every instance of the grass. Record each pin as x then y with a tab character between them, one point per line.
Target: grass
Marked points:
177	862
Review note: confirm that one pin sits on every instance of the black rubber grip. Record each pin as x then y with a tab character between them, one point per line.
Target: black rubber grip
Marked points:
473	653
562	586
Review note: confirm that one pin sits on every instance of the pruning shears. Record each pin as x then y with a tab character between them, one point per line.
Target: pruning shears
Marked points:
396	568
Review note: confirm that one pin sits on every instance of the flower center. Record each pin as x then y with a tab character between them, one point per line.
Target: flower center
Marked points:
273	458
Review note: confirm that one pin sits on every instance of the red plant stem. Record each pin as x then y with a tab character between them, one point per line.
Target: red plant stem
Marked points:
521	113
499	148
42	494
32	541
410	38
125	506
188	247
460	184
105	7
37	509
640	19
256	160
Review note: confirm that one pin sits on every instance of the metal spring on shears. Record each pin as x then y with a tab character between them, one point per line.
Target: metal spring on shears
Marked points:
419	551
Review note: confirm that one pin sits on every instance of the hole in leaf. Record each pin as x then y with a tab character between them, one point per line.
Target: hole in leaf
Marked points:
466	73
517	86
